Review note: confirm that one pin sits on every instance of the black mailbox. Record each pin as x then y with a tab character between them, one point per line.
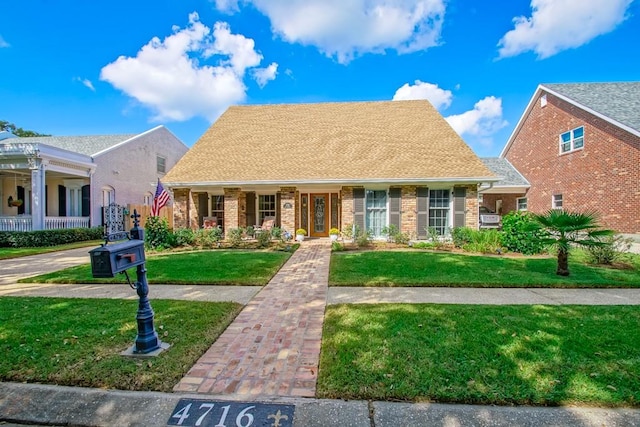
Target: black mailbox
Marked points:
108	260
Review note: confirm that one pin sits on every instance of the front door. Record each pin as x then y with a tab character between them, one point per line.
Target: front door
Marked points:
319	223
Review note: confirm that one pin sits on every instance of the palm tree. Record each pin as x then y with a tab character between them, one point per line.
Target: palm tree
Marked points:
570	228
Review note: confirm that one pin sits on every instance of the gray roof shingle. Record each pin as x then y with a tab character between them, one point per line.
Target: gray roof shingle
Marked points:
509	176
618	101
87	145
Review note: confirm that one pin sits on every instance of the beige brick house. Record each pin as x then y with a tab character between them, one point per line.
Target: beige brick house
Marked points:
318	166
578	145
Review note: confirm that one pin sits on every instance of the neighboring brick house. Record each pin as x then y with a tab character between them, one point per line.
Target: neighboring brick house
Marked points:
64	181
509	193
579	147
318	166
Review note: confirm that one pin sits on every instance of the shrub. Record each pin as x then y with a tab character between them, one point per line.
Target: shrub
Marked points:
39	238
394	235
348	231
157	235
184	237
363	238
461	236
234	237
250	231
337	247
521	233
264	239
484	241
434	238
208	237
615	249
276	232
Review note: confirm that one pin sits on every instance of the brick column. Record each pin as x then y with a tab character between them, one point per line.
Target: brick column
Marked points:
181	207
232	208
408	209
346	195
193	210
471	207
288	214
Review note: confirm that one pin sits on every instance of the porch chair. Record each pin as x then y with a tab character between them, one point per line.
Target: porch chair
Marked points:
209	222
267	224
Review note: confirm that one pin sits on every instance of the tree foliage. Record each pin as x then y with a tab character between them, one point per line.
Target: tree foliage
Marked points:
18	131
566	229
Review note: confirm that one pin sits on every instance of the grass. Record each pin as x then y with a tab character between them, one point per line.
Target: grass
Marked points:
404	268
216	267
77	342
525	355
8	253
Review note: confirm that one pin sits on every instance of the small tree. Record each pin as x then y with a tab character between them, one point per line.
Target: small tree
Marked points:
570	228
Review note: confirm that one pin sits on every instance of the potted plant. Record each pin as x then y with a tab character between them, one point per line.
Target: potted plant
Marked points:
300	233
14	202
333	234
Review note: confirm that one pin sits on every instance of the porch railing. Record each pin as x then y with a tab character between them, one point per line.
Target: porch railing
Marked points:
24	222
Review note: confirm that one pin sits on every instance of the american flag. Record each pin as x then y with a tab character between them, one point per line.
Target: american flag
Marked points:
160	200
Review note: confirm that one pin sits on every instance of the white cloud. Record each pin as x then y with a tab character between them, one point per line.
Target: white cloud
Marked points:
439	98
346	28
167	75
484	120
227	6
85	82
557	25
265	75
3	43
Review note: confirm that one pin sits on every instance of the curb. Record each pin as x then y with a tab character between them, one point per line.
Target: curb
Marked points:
84	407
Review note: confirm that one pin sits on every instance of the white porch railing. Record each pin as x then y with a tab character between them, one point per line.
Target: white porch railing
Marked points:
57	222
24	222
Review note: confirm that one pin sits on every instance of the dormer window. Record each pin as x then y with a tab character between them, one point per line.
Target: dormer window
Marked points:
572	140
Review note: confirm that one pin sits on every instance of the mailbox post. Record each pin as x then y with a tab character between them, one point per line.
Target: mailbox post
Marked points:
108	260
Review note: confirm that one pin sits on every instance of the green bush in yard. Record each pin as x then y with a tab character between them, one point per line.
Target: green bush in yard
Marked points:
41	238
614	249
484	241
264	239
157	234
461	236
521	233
208	237
234	237
184	237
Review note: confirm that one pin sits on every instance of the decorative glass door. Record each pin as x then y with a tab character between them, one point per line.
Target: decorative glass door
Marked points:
319	221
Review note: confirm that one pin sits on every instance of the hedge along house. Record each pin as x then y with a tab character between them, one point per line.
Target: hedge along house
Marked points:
65	181
318	166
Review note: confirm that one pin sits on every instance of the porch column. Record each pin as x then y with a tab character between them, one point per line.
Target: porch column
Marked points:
234	202
408	210
38	196
181	208
287	210
472	217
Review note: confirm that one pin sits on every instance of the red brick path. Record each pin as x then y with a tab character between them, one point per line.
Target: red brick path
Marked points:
272	348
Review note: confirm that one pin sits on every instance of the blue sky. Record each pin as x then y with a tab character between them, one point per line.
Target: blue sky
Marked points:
78	68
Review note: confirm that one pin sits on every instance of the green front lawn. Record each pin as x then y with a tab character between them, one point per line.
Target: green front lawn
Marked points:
407	268
8	253
525	355
77	342
216	267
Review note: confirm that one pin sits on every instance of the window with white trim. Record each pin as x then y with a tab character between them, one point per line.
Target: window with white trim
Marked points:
161	164
148	199
266	206
439	210
556	201
572	140
521	203
376	214
108	196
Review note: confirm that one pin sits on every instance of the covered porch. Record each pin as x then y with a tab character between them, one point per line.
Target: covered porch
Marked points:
43	188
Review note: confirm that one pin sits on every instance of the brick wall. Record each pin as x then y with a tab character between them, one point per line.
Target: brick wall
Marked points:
601	177
288	215
509	202
408	209
346	194
232	208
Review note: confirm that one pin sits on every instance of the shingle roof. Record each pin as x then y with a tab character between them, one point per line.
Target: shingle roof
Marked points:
87	145
509	176
328	142
618	101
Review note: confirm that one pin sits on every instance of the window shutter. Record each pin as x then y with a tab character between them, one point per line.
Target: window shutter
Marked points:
86	200
358	207
62	200
278	201
459	202
203	207
394	207
20	195
251	209
422	211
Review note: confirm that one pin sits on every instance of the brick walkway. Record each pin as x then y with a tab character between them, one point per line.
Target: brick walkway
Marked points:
272	348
